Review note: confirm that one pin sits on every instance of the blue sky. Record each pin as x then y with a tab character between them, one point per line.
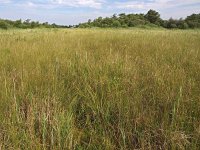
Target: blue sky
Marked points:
75	11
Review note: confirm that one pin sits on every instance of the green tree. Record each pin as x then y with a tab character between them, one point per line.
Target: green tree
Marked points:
153	16
4	25
193	20
182	24
172	23
34	24
116	24
18	23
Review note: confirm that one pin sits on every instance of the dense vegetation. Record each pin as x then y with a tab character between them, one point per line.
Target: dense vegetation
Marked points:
27	24
151	19
99	89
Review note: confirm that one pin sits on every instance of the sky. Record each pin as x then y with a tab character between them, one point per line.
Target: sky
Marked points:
71	12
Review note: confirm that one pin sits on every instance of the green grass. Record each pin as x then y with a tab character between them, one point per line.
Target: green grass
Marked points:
99	89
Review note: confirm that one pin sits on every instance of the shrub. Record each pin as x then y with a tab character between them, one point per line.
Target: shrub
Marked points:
4	25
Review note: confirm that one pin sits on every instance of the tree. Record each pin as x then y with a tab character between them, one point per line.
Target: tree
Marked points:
151	19
114	16
89	21
46	24
122	15
193	21
54	25
18	23
27	21
153	16
172	23
181	24
36	24
122	19
4	25
116	24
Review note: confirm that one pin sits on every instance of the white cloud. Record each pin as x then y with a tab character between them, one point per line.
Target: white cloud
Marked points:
4	1
105	4
167	8
79	3
130	5
154	4
49	4
58	10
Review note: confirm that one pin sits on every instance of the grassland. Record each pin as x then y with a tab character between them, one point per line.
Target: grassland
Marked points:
99	89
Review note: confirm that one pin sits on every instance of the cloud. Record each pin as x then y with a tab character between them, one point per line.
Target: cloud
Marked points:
167	8
79	3
154	4
96	4
49	4
76	11
103	4
4	1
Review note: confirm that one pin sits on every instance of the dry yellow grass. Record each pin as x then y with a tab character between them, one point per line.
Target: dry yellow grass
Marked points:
99	89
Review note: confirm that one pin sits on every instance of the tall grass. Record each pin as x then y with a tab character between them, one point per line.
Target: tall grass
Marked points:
99	89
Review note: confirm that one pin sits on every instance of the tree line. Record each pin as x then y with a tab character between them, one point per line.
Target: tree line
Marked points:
151	19
27	24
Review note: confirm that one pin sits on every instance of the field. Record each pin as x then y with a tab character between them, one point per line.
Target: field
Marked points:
99	89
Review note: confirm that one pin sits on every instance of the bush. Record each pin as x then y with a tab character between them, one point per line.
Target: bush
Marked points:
124	26
116	24
4	25
183	25
23	26
193	24
173	26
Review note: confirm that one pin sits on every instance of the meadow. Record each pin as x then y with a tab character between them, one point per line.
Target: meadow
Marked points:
99	89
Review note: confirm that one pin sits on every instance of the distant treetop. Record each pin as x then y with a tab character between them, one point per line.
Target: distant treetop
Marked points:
27	24
151	19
